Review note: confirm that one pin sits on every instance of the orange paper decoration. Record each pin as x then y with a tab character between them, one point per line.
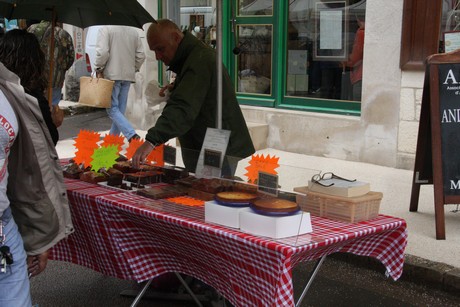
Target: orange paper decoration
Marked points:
132	147
259	163
86	143
187	201
111	139
156	156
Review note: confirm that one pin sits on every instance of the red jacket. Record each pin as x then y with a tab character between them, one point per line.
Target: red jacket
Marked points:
355	59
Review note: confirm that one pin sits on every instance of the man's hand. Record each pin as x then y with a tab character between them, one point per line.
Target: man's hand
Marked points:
168	87
57	115
36	264
141	154
99	74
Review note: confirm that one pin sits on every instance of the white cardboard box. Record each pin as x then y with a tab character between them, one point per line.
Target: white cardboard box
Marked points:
223	215
275	227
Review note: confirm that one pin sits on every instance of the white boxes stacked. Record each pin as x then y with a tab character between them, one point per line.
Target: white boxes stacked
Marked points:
247	220
223	215
275	227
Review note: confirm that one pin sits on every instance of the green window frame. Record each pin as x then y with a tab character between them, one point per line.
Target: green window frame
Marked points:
278	97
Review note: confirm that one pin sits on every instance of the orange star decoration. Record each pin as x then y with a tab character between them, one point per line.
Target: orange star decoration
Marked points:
259	163
111	139
86	143
132	147
156	156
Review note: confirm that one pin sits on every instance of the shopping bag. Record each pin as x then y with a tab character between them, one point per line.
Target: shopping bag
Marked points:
96	92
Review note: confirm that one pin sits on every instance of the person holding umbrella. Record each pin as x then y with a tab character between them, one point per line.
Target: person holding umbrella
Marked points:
192	105
64	55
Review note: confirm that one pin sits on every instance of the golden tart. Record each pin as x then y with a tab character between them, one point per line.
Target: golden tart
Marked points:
275	205
235	197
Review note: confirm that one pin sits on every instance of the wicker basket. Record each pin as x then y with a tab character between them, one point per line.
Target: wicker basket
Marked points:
347	209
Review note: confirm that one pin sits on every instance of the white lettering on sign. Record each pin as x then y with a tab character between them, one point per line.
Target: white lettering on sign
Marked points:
450	76
455	185
78	37
450	116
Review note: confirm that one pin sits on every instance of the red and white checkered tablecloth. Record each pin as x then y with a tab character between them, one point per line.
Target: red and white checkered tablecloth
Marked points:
128	236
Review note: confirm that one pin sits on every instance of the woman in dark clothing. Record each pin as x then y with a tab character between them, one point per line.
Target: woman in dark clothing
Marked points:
20	52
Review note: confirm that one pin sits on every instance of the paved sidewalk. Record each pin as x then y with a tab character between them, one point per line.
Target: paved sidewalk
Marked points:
428	259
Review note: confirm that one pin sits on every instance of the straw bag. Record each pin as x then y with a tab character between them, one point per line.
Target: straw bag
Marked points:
96	92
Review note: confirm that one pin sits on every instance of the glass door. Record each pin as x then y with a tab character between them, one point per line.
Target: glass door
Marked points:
253	29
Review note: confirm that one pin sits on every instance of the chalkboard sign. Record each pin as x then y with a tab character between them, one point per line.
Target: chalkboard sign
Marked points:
212	157
449	104
437	159
267	183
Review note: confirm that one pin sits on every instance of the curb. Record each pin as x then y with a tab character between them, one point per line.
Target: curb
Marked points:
416	270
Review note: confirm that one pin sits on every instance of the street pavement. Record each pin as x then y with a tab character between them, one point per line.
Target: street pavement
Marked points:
433	262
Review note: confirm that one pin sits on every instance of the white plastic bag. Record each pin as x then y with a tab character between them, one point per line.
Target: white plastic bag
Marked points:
155	103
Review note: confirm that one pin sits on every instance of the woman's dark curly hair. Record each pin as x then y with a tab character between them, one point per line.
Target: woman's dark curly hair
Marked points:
20	52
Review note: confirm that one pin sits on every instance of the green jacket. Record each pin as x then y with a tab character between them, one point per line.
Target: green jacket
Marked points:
192	106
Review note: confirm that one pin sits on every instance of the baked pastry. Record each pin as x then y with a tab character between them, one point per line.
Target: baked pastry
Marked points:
93	177
161	192
275	205
115	177
144	177
212	185
172	173
235	197
124	167
72	170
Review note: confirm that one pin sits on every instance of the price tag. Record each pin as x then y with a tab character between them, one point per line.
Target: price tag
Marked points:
212	157
169	154
267	183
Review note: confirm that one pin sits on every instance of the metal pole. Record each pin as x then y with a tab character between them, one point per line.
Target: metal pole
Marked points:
310	280
219	63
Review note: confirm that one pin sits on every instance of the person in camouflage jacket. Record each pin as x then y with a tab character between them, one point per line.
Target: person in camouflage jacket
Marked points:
64	53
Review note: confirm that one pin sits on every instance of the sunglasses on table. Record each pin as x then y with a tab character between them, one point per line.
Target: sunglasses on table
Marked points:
326	176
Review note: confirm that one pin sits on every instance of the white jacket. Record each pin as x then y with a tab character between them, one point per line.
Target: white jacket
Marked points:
119	53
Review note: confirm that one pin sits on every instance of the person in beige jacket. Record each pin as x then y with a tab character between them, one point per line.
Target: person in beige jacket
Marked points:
119	55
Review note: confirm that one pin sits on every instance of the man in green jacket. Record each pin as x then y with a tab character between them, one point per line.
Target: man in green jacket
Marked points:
192	105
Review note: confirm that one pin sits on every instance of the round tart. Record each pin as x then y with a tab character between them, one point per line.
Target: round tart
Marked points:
235	197
275	205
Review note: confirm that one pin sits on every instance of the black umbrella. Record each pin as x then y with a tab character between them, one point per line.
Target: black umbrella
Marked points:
80	13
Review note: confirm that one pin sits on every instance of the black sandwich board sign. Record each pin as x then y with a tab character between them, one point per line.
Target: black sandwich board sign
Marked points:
437	159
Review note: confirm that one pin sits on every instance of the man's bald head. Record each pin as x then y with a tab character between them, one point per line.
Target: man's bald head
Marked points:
163	38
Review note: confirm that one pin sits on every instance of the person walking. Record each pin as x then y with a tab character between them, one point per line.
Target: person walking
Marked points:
64	54
192	105
119	55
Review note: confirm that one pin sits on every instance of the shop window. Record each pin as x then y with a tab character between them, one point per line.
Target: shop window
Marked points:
254	59
325	47
450	26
